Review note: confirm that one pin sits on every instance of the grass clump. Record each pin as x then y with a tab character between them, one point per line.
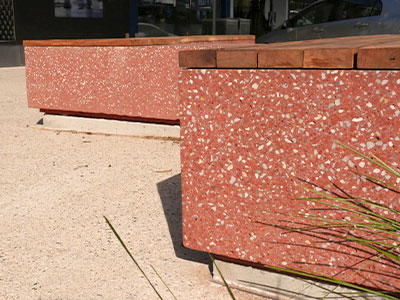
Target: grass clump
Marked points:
369	224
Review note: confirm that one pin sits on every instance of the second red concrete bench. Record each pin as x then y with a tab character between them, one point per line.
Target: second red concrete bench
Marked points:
129	79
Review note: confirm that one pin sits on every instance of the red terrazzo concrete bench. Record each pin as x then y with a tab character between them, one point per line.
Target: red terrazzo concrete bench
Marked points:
259	121
129	79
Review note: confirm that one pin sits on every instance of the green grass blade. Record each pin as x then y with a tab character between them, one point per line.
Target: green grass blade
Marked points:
361	210
367	216
165	284
222	276
371	260
383	166
380	161
375	222
374	242
336	281
376	180
330	222
386	253
344	224
133	259
373	203
367	220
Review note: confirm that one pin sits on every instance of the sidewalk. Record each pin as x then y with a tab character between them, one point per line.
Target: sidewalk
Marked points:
55	188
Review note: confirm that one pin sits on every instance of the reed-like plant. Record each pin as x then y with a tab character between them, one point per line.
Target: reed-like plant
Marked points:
374	226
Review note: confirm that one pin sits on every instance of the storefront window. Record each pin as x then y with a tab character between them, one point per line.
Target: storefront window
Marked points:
295	6
7	28
195	17
78	8
319	13
173	17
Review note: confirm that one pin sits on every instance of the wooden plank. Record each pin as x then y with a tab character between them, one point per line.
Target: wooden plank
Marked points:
197	58
77	43
236	59
349	41
280	58
323	53
329	58
385	56
269	57
139	41
340	53
330	53
337	52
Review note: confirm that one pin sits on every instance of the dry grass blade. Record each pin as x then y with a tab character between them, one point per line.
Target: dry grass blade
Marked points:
133	259
223	278
165	284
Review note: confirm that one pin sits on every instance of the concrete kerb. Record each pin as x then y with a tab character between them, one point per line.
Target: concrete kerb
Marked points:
280	286
110	127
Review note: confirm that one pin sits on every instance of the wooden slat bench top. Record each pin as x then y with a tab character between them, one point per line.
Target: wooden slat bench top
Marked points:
173	40
362	52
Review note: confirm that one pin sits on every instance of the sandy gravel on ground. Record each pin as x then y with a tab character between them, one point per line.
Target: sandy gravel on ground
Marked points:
55	188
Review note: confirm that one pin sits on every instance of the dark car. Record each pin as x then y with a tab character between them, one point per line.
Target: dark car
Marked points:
337	18
151	30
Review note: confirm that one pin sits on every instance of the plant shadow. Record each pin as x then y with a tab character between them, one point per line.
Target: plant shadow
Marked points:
171	198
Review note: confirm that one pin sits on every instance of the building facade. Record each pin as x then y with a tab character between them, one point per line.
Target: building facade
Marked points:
75	19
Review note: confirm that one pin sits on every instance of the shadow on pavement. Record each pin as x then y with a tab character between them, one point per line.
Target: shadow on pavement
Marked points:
171	198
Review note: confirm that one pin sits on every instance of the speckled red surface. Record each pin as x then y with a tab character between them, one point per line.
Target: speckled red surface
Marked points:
251	137
127	81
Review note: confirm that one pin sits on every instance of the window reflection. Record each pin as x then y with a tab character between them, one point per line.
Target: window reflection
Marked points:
351	9
195	17
177	17
319	13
